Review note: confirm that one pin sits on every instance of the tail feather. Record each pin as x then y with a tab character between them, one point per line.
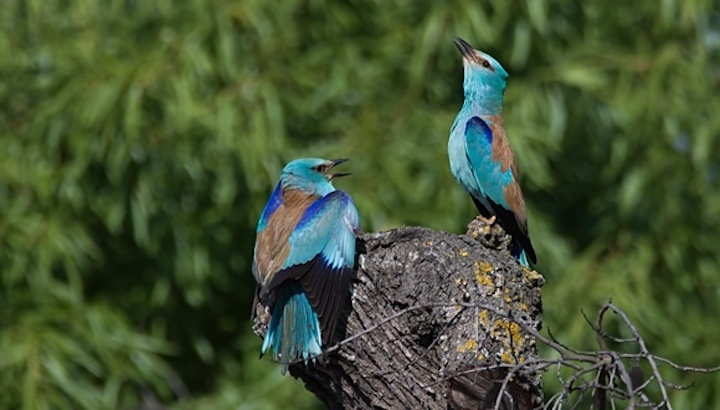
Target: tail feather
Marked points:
518	253
294	331
523	260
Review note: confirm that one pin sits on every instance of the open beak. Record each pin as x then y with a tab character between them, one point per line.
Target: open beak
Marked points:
465	48
334	163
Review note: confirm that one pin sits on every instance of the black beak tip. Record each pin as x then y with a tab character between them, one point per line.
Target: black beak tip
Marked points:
465	48
336	162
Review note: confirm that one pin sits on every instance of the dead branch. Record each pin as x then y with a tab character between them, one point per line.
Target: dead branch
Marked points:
443	321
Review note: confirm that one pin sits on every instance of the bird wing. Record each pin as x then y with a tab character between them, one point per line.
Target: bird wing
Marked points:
493	166
275	201
322	255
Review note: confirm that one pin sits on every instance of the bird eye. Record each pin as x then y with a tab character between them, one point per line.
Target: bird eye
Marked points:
321	168
486	64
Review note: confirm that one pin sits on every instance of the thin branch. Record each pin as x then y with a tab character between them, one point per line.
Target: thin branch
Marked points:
687	368
643	349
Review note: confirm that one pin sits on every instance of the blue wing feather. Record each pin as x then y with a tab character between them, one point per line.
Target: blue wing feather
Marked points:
312	286
322	255
327	227
488	173
492	181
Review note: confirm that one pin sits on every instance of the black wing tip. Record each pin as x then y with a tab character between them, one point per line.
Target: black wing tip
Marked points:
530	252
328	289
517	248
507	220
327	301
525	244
486	213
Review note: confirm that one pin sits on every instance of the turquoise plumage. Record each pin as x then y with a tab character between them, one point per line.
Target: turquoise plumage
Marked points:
304	257
480	156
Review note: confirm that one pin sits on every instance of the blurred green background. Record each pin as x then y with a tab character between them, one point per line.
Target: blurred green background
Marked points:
139	141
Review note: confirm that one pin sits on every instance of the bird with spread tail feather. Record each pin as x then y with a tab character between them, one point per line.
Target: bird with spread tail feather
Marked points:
304	258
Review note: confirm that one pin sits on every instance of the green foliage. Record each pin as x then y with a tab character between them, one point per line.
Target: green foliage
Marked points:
140	141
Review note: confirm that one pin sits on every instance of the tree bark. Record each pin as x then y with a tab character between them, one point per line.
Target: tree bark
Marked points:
433	323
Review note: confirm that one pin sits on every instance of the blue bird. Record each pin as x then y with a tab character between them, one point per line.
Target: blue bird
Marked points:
304	258
480	156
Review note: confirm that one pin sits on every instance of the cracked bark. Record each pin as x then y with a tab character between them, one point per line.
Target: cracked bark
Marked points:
451	297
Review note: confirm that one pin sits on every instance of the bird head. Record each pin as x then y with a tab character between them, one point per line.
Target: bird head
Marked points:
485	79
311	175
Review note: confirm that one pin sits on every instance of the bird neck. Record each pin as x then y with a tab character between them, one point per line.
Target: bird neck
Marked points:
485	99
319	189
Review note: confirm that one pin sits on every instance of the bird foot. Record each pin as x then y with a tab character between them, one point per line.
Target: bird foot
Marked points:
487	221
481	226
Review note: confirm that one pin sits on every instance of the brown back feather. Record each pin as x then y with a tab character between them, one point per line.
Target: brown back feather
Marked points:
501	151
272	243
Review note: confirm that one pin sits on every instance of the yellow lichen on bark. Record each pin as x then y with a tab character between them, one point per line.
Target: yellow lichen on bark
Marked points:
482	270
512	338
470	346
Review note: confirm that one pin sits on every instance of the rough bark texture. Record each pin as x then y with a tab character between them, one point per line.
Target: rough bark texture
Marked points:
450	296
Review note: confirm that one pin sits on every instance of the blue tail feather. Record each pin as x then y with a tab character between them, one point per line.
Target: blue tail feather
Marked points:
294	331
518	253
523	260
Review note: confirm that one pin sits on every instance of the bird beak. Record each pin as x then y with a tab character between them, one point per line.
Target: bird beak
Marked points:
337	175
465	48
333	164
336	162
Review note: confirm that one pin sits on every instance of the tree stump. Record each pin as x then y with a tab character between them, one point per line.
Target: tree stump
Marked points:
436	321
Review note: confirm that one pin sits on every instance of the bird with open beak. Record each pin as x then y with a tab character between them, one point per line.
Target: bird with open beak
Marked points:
304	258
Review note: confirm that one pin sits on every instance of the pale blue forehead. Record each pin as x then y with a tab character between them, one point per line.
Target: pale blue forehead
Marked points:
304	163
